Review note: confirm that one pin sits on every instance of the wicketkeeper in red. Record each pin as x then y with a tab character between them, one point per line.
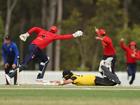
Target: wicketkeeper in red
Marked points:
43	39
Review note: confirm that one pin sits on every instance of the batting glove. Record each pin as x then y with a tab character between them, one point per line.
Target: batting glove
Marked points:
77	33
23	37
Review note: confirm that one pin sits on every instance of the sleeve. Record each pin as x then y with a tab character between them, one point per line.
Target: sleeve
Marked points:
123	46
16	53
63	37
104	44
106	41
34	29
4	54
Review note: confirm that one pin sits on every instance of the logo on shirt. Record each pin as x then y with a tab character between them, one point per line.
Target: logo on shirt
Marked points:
43	36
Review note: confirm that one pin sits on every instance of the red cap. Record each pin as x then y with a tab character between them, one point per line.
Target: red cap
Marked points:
132	43
53	29
101	31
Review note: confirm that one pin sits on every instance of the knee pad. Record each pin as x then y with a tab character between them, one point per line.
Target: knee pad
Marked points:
45	61
42	68
43	64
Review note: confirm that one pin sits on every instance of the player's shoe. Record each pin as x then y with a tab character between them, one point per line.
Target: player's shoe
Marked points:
130	82
8	78
39	80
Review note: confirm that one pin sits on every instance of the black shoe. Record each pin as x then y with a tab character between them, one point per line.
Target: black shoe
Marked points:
39	76
131	82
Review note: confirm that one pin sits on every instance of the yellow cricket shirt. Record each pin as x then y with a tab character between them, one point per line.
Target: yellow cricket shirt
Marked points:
84	80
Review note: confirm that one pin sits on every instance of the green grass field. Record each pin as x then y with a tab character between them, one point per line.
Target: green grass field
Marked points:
68	95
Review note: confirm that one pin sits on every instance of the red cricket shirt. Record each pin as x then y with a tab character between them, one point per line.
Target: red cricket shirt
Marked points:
44	37
128	53
108	48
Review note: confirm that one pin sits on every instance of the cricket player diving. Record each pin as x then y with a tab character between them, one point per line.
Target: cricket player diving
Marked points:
83	80
43	39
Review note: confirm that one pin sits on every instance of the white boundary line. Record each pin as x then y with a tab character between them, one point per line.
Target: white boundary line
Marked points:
67	88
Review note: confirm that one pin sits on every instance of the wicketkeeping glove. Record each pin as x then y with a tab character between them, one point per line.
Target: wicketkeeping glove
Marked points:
23	37
77	33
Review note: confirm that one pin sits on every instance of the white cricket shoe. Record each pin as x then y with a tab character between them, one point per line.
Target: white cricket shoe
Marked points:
39	80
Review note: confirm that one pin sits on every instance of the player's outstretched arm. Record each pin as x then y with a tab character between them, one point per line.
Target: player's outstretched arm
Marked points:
123	45
24	36
65	82
97	31
62	82
69	36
